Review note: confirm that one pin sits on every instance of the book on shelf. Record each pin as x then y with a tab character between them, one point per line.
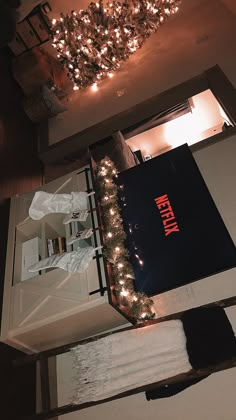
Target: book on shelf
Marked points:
56	245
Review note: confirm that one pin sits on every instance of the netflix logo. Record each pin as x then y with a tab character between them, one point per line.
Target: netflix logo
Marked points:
172	222
166	212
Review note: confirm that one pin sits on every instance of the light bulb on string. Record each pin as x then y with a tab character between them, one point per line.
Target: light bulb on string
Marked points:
94	87
124	292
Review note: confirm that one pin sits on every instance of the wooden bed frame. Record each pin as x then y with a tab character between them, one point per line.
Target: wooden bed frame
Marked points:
48	412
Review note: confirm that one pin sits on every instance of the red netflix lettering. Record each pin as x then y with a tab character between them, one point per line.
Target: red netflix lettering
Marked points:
167	214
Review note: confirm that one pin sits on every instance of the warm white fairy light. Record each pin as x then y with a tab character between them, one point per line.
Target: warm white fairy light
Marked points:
139	306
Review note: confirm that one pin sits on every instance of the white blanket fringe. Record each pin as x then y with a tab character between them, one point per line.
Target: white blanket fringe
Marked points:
129	359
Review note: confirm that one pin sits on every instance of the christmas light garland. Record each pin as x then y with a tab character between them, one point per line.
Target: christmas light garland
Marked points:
92	43
137	305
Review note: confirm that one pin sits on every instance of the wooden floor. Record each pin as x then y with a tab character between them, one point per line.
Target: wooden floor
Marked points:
20	171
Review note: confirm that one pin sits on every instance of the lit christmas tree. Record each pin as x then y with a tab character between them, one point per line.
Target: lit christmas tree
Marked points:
92	43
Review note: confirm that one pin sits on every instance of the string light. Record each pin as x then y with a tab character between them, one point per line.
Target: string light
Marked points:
123	30
137	305
94	87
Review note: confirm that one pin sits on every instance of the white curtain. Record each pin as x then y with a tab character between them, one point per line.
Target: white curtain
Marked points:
129	359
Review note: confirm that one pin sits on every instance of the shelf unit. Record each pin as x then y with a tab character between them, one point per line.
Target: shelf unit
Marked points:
55	307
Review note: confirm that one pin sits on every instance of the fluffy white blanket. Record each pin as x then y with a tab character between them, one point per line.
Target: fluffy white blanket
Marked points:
129	359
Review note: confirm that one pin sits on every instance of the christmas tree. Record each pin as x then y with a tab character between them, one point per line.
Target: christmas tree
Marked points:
92	43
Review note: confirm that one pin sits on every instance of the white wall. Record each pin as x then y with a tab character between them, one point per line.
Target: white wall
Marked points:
199	36
214	398
193	404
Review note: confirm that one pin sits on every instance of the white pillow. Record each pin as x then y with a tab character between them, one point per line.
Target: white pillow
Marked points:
26	7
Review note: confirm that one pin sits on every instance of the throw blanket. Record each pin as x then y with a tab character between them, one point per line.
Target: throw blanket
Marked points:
129	359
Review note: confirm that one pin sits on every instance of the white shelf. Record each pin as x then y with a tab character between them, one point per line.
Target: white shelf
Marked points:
55	307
